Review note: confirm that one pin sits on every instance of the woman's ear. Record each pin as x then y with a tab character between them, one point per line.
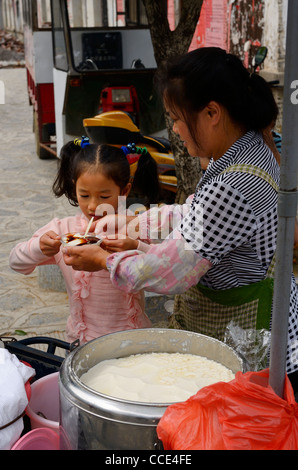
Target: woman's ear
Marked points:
214	111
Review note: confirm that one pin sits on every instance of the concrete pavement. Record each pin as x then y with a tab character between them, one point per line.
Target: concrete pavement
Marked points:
26	204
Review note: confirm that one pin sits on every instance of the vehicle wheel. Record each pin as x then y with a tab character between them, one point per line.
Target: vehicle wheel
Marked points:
41	152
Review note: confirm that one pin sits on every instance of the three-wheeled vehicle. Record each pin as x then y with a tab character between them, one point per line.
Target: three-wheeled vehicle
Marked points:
39	70
90	46
85	58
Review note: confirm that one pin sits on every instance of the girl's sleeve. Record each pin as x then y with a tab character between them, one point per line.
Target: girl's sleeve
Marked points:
158	222
169	267
25	256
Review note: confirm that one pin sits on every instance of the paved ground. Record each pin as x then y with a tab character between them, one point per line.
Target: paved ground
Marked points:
31	303
26	204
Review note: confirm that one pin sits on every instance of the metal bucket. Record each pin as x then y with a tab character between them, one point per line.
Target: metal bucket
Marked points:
91	420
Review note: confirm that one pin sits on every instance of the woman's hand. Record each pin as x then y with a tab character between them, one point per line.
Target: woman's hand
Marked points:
115	224
85	258
120	244
50	243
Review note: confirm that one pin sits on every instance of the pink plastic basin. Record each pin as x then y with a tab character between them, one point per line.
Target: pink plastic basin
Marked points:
38	439
43	407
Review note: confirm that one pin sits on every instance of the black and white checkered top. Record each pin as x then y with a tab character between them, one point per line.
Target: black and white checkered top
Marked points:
233	222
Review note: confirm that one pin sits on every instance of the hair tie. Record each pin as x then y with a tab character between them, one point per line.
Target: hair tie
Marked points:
131	148
126	150
142	150
84	142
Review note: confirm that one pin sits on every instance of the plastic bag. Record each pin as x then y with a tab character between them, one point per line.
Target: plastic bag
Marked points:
250	344
14	375
244	414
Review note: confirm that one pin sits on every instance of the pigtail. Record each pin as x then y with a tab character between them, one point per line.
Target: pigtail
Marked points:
146	181
146	178
63	183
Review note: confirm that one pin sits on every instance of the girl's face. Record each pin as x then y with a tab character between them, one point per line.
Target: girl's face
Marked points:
95	189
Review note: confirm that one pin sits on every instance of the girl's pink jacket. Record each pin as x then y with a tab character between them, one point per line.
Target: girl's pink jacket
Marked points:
96	306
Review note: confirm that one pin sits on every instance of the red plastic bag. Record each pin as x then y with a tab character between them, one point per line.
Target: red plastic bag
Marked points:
244	414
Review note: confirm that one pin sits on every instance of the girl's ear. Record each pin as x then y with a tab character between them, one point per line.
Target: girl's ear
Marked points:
125	191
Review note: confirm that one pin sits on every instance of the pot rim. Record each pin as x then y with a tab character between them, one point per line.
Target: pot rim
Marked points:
114	408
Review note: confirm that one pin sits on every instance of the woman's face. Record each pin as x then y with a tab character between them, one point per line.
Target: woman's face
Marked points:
196	148
97	194
213	129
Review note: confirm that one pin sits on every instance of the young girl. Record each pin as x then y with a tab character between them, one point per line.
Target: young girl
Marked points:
90	176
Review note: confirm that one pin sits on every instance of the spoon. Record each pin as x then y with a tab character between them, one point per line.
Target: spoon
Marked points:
88	227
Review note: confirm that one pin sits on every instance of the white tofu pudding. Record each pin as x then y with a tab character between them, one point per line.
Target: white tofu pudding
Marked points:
155	377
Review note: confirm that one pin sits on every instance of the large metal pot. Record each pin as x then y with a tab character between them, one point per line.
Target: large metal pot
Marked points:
91	420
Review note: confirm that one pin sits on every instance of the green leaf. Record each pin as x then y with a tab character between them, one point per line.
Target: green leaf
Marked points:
20	333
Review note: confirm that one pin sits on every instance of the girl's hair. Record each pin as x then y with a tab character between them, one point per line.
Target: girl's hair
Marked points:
112	162
189	82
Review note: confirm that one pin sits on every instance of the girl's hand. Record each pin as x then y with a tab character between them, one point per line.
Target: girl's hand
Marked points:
120	244
50	243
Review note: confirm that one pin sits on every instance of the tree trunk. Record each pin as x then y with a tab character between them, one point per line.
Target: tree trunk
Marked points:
188	169
176	42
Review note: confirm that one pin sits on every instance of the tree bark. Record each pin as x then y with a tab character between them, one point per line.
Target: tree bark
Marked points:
167	43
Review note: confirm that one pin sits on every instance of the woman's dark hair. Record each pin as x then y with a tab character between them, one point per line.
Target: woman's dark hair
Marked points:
75	160
189	82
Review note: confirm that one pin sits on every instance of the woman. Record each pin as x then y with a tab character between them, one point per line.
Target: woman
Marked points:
221	256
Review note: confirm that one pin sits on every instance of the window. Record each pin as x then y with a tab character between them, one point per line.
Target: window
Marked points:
60	57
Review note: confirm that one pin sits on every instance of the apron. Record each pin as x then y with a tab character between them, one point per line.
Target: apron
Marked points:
208	311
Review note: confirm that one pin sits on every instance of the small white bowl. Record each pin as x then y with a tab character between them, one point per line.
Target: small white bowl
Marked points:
78	239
